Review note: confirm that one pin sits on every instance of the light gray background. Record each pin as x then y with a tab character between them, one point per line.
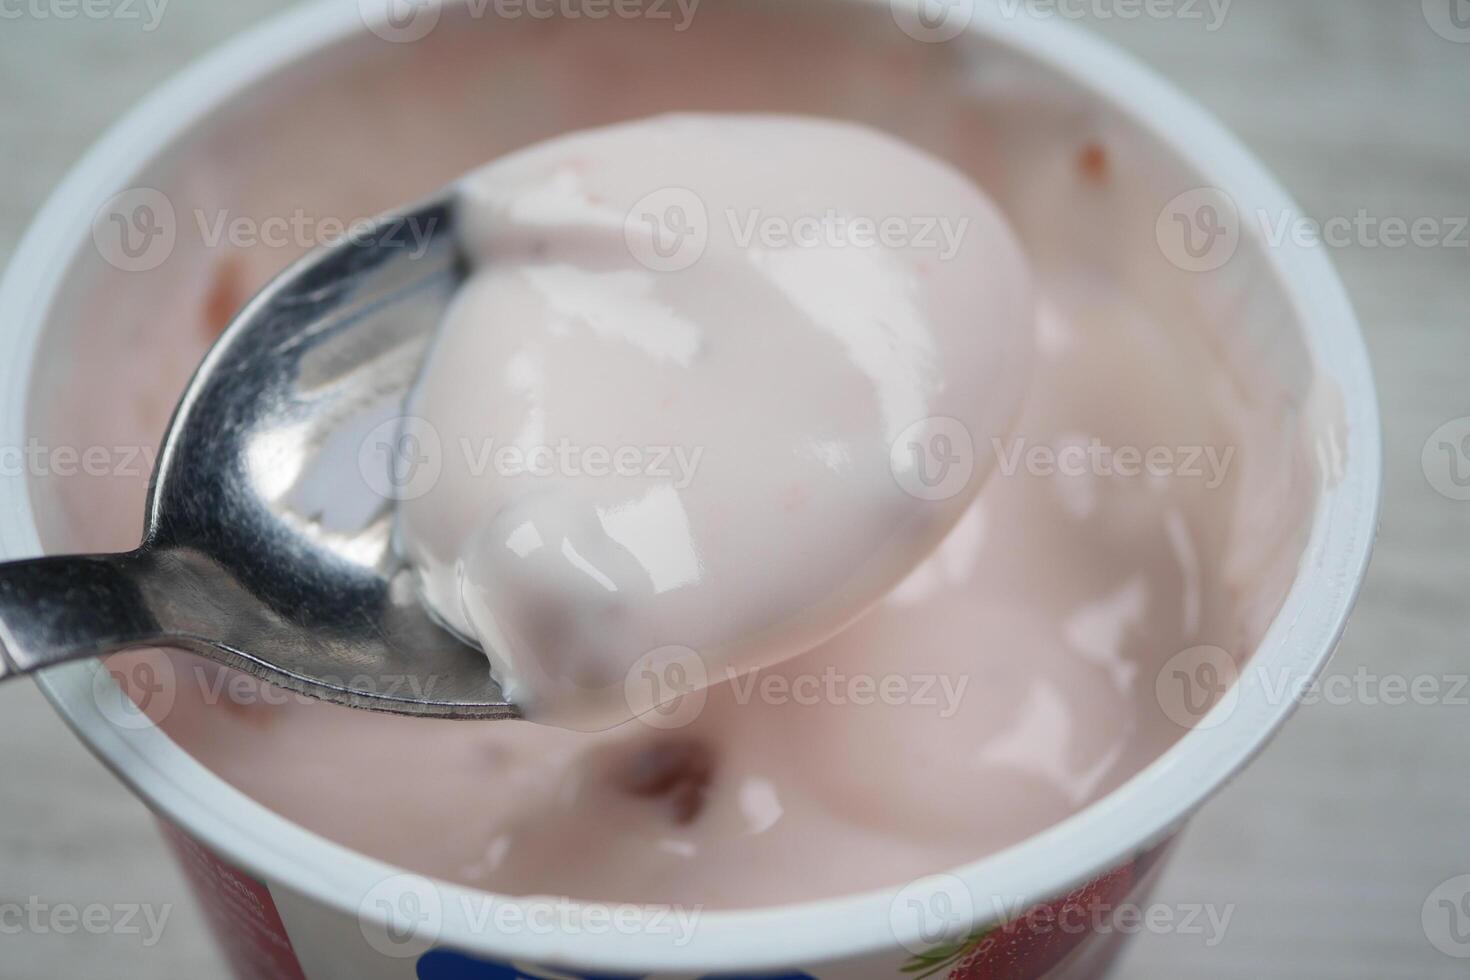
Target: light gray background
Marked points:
1328	847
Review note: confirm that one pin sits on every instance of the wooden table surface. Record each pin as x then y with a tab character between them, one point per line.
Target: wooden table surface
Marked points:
1326	850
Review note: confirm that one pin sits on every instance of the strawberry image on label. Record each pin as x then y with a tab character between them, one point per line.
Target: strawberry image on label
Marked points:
1026	946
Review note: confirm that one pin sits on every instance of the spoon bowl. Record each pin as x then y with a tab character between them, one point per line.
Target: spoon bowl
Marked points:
268	542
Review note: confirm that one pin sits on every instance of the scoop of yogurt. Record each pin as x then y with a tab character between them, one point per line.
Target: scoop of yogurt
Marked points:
715	385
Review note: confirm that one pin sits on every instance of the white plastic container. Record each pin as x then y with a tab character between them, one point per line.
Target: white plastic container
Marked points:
249	128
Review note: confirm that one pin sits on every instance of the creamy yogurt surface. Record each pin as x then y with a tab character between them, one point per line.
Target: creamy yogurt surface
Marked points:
713	388
1006	683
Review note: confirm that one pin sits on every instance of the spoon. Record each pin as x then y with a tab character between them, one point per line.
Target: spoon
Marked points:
268	543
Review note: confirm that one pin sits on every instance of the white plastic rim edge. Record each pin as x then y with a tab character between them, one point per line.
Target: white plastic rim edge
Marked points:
1145	810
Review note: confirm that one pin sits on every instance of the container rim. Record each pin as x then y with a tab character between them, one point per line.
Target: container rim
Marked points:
1142	812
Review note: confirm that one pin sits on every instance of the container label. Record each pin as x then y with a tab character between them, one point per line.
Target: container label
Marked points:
442	964
240	911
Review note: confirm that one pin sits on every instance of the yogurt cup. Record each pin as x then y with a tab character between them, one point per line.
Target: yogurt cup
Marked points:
260	129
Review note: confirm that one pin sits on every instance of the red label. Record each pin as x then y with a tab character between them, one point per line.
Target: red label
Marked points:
241	913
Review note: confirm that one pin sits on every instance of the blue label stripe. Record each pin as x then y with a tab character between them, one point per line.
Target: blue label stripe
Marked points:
441	964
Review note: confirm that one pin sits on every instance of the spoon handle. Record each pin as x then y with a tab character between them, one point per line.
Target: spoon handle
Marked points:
53	610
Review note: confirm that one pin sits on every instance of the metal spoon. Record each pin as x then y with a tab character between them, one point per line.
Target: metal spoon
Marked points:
268	545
